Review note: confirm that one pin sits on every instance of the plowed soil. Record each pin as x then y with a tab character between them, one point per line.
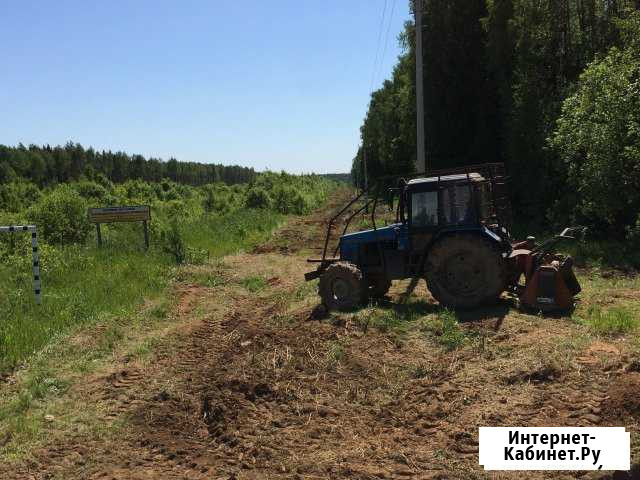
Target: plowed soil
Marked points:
254	386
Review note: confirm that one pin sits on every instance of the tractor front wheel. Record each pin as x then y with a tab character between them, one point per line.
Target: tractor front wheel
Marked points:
342	286
465	270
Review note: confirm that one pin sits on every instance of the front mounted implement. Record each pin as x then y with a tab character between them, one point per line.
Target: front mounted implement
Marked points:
549	281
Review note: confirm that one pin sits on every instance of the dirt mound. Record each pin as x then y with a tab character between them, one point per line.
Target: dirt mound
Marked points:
623	401
548	372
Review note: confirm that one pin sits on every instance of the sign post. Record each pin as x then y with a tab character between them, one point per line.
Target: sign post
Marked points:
135	213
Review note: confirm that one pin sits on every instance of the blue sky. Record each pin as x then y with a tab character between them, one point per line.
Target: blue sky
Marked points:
277	84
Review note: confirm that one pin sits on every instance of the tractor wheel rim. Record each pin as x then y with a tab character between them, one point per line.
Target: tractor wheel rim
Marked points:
340	289
463	276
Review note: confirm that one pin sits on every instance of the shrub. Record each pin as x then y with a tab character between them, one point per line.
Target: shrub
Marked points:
61	216
257	197
184	191
196	256
102	180
217	198
168	190
18	256
289	200
16	196
172	242
11	244
176	209
598	138
136	191
94	193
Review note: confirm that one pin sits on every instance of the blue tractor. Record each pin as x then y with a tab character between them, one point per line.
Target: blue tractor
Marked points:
450	228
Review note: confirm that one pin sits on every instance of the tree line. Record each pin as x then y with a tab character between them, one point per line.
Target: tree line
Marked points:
549	87
48	165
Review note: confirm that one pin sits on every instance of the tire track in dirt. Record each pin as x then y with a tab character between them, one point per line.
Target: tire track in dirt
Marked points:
307	233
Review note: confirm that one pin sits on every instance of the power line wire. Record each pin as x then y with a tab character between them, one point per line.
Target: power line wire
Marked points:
375	61
386	40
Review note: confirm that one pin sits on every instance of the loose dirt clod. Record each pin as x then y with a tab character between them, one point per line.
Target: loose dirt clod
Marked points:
624	398
548	372
634	366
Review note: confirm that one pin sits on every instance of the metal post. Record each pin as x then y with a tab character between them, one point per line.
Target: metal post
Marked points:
99	235
37	285
421	161
146	234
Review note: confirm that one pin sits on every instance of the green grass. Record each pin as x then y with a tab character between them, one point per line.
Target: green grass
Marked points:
336	353
254	283
221	235
440	325
83	284
445	329
40	388
612	321
86	284
16	418
388	321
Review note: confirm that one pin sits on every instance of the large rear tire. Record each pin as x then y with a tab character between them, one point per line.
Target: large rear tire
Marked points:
466	270
342	287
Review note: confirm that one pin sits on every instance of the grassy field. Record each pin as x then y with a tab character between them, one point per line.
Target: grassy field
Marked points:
83	284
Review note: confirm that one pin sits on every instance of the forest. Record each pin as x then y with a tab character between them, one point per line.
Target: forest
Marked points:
549	87
48	165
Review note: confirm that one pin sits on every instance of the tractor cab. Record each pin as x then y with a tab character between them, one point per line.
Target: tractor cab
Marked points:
435	202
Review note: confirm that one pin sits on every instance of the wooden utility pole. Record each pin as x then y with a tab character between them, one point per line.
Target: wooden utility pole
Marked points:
421	161
366	179
364	158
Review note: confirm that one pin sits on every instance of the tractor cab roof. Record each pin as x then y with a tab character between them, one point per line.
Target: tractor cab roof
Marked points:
473	177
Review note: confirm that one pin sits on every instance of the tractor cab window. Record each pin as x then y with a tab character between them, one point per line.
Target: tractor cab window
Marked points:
457	205
424	209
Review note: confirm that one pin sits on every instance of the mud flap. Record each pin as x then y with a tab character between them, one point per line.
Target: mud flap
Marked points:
569	277
547	290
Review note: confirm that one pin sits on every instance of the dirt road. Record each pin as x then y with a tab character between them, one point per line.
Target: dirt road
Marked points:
251	386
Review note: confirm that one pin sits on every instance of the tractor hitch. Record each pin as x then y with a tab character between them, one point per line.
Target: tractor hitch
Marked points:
317	273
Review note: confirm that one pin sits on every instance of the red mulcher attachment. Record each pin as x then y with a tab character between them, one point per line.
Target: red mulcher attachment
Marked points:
550	283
